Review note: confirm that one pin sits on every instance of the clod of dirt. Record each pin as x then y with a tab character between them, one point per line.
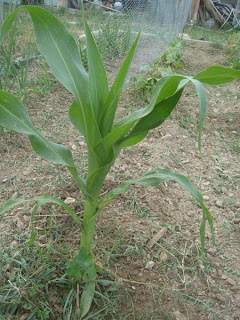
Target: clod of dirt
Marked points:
231	281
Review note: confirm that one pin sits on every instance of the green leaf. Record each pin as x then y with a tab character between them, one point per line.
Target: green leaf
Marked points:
98	83
41	200
165	88
156	177
13	116
202	107
159	114
62	55
114	95
87	297
217	75
10	204
84	269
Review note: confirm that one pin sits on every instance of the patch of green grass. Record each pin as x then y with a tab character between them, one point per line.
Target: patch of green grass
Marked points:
214	35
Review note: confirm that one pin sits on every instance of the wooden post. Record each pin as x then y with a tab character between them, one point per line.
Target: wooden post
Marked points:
195	7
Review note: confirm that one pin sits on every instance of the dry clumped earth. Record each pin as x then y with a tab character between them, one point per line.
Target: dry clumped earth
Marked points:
147	239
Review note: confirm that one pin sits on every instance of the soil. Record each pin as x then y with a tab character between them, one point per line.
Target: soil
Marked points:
165	279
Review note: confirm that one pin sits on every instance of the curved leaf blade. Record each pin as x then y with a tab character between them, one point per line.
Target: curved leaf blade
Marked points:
62	55
156	177
41	200
216	75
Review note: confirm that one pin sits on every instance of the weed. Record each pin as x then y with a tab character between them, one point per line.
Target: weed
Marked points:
114	39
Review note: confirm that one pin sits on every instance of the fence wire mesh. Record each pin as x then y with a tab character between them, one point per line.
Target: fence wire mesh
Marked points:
116	25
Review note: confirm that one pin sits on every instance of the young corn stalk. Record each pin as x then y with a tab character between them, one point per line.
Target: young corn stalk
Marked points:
92	113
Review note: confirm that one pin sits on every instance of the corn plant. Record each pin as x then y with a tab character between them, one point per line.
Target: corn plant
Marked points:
93	114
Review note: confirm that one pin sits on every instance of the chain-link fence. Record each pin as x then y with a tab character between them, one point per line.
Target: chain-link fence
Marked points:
117	23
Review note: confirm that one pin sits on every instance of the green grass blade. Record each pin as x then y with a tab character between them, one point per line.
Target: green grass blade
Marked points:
10	204
217	75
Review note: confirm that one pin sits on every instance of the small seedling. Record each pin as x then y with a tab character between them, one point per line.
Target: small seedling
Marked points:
92	113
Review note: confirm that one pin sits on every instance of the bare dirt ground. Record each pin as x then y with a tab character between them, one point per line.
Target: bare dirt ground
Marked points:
163	280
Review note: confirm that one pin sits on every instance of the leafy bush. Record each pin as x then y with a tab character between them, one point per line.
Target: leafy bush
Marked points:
93	113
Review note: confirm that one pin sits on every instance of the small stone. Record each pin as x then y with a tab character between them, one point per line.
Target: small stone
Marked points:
231	282
69	200
221	298
236	221
219	204
74	147
235	289
13	243
206	198
15	194
149	265
26	218
27	171
134	288
163	256
20	225
167	136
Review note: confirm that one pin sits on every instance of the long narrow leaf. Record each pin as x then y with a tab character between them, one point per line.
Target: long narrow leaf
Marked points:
61	52
14	116
202	107
98	83
217	75
156	177
41	200
114	95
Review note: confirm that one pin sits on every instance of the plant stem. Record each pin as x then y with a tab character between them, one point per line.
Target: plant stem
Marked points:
88	228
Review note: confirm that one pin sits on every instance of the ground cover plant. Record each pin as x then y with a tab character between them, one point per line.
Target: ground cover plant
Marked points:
105	145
